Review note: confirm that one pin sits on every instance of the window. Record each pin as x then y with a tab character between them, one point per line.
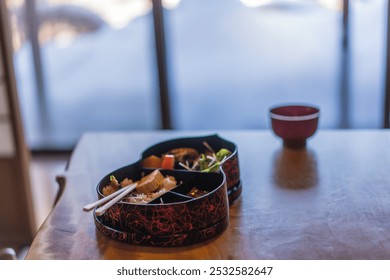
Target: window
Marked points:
95	68
227	62
232	60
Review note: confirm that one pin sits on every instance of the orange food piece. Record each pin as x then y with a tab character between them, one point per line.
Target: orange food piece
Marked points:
152	162
168	162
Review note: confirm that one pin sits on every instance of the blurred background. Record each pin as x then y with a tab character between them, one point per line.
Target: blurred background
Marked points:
72	66
86	65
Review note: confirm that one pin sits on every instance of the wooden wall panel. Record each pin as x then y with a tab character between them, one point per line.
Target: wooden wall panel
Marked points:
14	215
17	222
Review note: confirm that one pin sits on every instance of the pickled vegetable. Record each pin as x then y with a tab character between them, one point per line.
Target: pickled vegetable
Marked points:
168	162
152	162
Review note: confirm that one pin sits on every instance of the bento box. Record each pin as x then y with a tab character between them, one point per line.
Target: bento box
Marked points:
194	209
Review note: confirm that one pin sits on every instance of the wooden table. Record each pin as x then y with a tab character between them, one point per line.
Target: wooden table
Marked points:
328	201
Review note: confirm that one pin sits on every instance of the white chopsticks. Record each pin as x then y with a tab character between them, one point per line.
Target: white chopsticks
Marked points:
110	199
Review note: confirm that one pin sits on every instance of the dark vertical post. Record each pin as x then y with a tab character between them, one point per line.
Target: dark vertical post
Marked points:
345	23
32	26
161	63
386	123
32	31
344	71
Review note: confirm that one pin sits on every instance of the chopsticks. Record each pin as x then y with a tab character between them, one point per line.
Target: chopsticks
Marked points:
111	199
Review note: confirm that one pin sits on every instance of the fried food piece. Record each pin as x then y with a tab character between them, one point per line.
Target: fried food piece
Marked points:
169	183
112	187
150	182
125	182
185	155
107	190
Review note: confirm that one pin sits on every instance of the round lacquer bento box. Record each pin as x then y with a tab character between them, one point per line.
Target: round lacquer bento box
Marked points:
196	210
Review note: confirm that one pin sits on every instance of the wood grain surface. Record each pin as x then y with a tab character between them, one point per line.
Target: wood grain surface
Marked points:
328	201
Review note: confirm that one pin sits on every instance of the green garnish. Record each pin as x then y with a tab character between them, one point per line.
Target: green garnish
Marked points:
213	163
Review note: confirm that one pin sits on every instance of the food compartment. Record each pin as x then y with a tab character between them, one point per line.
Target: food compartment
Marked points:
199	185
198	154
133	173
170	197
173	213
188	153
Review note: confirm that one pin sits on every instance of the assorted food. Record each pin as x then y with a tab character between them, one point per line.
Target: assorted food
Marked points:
189	158
148	187
185	155
196	192
154	185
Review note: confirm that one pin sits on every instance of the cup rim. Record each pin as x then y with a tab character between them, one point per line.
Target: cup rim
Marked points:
304	117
